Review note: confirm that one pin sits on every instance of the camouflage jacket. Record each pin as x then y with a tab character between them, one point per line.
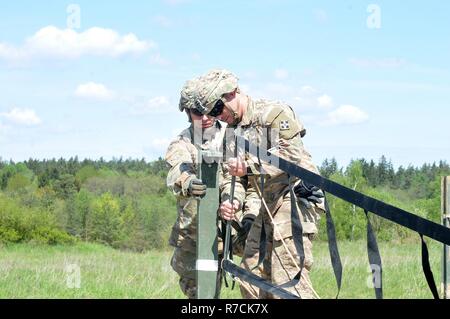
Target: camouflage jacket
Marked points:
274	126
182	160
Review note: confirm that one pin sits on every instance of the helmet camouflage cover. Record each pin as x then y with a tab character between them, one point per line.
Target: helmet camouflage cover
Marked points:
212	86
188	93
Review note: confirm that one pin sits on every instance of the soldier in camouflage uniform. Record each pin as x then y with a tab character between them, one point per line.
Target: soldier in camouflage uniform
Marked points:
274	125
182	159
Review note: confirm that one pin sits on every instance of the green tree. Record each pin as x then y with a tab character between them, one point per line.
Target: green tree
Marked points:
85	173
356	181
18	182
66	186
104	221
328	167
83	203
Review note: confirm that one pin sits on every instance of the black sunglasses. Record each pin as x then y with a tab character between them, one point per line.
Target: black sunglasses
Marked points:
196	112
217	109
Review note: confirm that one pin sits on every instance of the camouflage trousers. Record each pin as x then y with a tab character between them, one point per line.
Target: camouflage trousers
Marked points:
184	263
278	266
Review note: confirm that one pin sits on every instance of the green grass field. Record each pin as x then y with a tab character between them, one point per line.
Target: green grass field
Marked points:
28	271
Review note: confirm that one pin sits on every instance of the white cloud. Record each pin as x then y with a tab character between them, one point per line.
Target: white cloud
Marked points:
311	104
163	21
385	63
309	98
20	116
157	59
159	104
308	90
8	52
51	41
95	91
2	128
279	89
346	114
324	101
281	74
304	99
157	146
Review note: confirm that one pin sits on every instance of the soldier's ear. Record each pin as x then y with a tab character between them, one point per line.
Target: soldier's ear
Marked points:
230	96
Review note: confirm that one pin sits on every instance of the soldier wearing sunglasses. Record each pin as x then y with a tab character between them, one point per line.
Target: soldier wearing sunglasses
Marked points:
275	125
183	181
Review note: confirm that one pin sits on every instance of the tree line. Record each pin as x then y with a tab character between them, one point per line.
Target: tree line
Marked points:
126	204
415	189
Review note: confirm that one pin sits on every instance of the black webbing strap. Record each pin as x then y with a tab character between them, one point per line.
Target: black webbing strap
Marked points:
262	246
374	259
256	281
397	215
223	274
297	230
389	212
427	269
333	248
297	237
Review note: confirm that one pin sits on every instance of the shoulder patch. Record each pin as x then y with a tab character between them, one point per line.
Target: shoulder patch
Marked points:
287	125
271	114
280	116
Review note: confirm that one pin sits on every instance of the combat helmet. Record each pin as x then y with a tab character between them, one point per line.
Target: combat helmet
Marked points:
212	86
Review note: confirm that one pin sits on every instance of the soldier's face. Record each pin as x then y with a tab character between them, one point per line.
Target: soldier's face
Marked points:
226	116
206	121
231	104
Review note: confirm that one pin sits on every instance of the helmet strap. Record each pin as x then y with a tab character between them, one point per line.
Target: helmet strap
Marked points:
235	115
188	115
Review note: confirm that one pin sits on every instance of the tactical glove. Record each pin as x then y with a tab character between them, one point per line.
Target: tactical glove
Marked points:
308	193
196	188
242	233
247	223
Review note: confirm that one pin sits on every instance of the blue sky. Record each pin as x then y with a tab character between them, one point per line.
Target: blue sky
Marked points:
367	78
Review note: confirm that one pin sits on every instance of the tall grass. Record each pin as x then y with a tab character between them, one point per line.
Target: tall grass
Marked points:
32	271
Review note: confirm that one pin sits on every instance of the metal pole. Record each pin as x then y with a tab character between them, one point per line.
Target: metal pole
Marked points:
207	265
445	203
